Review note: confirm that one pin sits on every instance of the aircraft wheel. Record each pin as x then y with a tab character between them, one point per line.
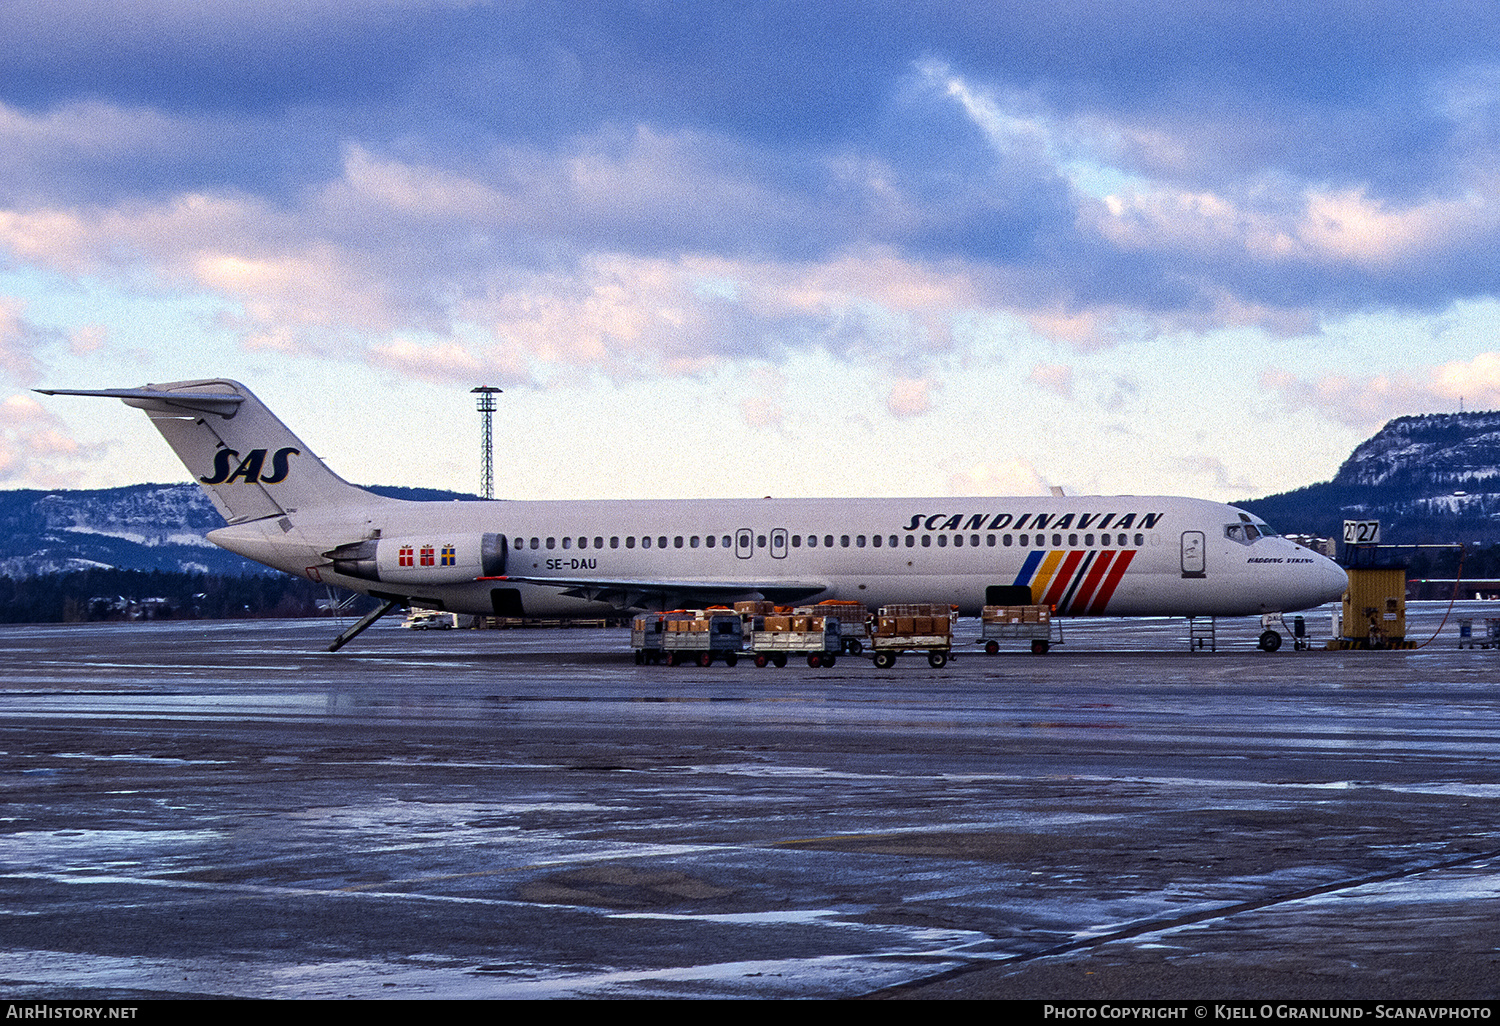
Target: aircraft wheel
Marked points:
885	660
1039	646
937	660
1270	641
991	648
762	662
814	660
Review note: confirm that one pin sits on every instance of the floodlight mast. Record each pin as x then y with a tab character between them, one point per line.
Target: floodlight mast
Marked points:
486	405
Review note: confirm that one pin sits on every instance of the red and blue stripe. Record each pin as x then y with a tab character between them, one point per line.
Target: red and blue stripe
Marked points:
1075	582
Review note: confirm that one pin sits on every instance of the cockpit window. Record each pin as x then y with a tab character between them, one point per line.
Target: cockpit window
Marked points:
1248	530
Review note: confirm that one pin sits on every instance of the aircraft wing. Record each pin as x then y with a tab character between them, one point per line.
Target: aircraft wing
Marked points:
634	594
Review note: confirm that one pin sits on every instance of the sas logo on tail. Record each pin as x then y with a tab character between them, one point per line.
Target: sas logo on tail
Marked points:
249	469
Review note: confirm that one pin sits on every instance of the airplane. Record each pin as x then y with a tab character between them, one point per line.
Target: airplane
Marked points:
1115	555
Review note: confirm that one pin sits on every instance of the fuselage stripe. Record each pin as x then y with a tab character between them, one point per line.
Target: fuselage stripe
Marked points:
1116	572
1044	577
1069	564
1023	576
1072	600
1091	583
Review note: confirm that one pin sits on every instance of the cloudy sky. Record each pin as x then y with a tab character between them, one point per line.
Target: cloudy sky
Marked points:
753	248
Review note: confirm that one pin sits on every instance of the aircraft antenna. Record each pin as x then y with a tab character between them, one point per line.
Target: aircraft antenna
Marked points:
486	403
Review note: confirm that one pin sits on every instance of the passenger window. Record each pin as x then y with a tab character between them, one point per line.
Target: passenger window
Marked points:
614	541
709	541
1005	540
630	542
1072	541
1057	541
1024	538
520	543
958	541
598	543
859	541
661	541
911	540
1140	540
1088	540
828	541
536	543
942	541
844	541
974	540
894	541
677	542
567	543
645	541
551	543
693	542
926	541
876	540
812	541
760	541
728	542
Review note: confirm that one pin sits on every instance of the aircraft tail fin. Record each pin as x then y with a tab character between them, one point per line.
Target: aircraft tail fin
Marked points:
246	459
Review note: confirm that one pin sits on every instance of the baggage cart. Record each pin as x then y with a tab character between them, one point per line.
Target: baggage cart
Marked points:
913	627
820	639
1033	624
702	636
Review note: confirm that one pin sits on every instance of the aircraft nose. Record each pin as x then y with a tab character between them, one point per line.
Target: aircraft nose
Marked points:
1332	581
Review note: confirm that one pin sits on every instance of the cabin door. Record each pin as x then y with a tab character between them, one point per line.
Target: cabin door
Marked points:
1194	554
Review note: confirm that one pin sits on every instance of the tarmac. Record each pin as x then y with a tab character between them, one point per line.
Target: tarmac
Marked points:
223	809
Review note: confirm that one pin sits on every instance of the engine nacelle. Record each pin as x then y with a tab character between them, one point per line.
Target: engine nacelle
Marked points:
427	559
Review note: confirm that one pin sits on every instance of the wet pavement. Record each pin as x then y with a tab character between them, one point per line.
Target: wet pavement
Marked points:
224	809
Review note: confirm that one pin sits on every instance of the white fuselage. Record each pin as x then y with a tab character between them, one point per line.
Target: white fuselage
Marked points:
1084	555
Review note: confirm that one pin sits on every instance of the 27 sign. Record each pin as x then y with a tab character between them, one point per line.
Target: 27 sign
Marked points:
1361	532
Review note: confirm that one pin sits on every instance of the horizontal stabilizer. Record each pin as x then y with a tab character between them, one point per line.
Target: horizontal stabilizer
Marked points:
222	403
247	461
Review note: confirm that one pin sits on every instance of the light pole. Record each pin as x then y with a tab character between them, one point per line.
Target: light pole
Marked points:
486	404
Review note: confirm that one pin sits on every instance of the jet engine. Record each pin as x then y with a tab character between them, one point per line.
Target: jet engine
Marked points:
421	559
